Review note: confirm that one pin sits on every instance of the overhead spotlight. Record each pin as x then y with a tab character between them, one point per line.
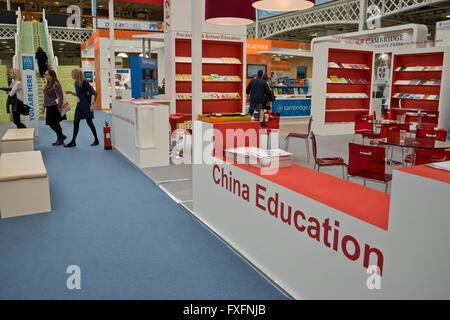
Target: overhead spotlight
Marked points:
122	55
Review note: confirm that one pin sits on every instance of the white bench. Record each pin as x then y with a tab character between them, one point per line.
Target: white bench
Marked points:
18	140
24	186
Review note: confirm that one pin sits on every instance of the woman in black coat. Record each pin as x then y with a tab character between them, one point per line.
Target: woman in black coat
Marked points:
85	107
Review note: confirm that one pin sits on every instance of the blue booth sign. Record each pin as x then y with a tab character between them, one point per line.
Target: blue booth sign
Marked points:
292	108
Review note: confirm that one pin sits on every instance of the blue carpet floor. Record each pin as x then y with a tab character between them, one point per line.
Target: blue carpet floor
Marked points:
130	240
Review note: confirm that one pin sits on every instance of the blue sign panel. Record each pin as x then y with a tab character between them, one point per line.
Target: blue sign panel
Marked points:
27	63
144	77
292	108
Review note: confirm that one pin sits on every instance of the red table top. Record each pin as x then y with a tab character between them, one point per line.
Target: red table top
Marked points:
417	143
427	172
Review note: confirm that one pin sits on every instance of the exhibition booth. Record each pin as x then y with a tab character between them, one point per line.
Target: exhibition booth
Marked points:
313	234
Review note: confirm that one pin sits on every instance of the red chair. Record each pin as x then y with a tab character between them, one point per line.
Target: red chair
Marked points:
368	163
301	136
274	121
326	162
424	156
364	128
174	119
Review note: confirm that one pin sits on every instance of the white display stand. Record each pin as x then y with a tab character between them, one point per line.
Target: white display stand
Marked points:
141	132
178	25
408	238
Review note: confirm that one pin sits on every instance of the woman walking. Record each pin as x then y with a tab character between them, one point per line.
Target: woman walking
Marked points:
85	107
15	97
53	101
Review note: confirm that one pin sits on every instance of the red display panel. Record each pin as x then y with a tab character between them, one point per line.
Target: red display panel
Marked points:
349	87
216	50
414	90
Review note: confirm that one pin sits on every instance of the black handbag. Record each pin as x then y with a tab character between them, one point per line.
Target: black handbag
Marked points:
25	110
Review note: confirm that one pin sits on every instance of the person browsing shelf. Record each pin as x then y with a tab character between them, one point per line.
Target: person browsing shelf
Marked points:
53	101
86	96
257	88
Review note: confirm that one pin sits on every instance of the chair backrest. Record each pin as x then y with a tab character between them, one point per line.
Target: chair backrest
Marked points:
441	135
314	146
367	162
362	123
426	133
393	132
274	121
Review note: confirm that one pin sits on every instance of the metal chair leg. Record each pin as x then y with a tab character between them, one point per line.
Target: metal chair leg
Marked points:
343	172
287	143
307	149
315	166
365	183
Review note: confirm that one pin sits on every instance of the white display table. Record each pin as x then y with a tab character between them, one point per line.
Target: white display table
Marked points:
140	131
315	235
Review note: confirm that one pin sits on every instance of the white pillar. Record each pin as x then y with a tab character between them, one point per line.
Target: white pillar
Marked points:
112	62
197	19
362	15
257	24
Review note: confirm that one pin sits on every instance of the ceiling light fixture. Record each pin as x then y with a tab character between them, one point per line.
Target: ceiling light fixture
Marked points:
284	5
230	13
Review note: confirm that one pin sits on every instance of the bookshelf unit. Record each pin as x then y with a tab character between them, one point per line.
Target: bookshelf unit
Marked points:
222	60
420	82
342	85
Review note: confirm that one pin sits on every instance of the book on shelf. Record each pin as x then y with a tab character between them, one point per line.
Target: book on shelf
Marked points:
343	80
419	68
346	96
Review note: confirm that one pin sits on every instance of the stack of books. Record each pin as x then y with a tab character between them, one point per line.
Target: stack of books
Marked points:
210	96
346	96
417	82
416	96
275	158
419	68
347	66
260	158
230	60
336	79
208	78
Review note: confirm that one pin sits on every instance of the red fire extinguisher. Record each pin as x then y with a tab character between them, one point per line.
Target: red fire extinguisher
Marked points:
107	136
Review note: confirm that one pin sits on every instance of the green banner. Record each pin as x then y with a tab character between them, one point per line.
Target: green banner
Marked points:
4	117
68	84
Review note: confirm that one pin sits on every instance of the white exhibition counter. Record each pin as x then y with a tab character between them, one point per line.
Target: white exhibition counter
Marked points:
315	235
140	130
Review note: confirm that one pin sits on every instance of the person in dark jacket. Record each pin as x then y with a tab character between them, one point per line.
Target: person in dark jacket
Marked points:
85	108
42	60
257	88
267	98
